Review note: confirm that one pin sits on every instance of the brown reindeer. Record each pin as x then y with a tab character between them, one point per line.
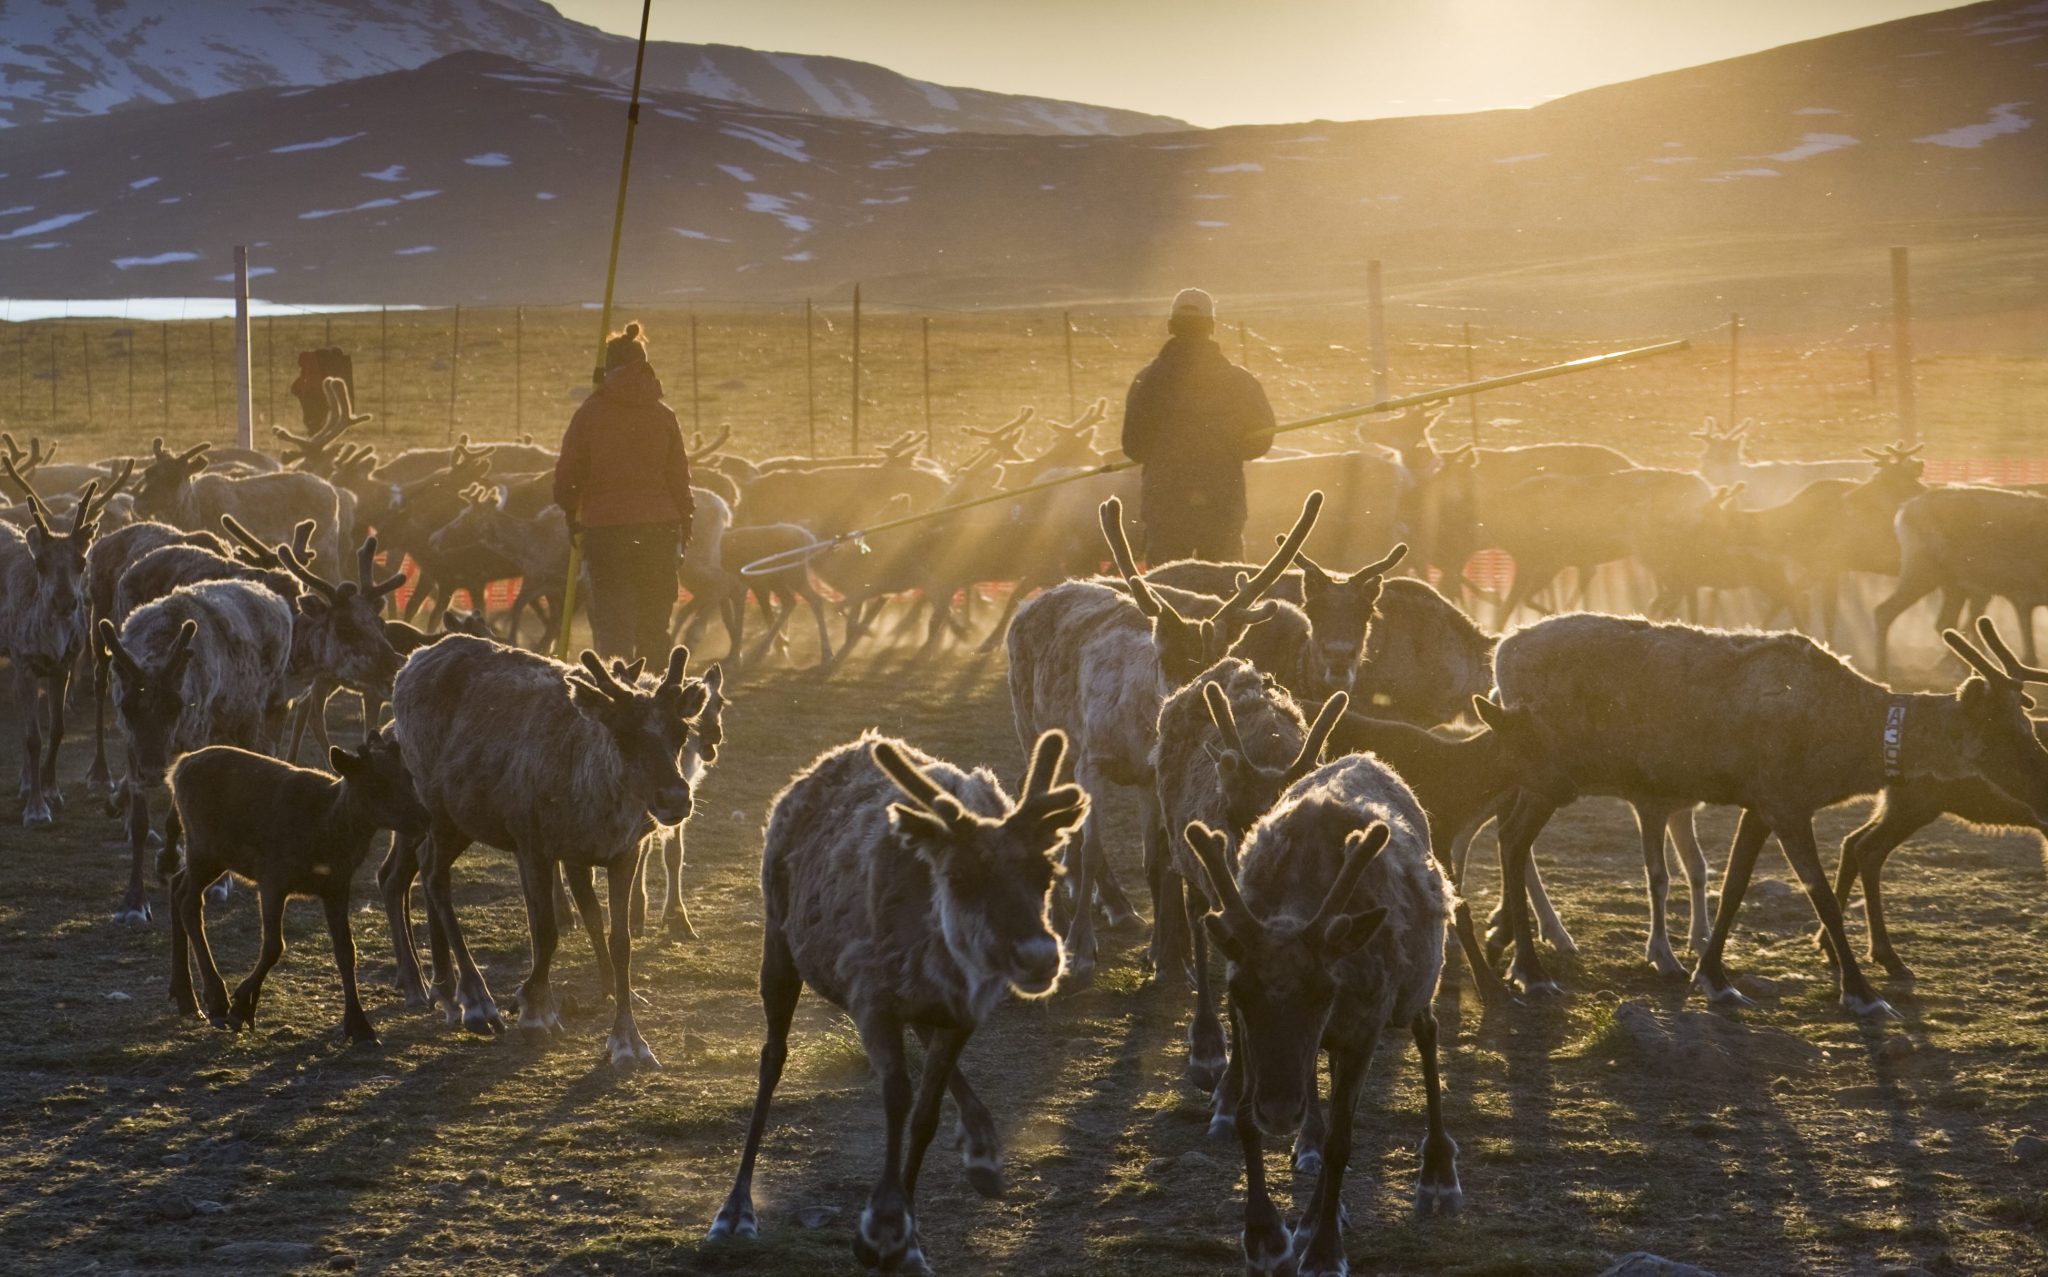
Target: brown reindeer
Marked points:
288	831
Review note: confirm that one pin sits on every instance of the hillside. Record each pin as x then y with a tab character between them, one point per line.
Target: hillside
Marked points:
63	60
483	179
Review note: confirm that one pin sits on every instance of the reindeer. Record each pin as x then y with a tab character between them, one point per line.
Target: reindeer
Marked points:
1097	662
1836	526
1205	770
43	621
911	894
1765	483
339	640
1333	928
290	832
106	563
203	665
1968	543
560	765
1669	715
176	489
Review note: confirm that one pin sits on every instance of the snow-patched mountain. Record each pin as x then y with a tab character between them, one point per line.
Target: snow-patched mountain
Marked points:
479	178
59	60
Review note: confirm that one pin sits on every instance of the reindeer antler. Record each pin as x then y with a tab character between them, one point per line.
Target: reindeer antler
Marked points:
1360	847
2009	670
1318	735
366	571
37	511
1212	849
1220	713
1250	588
1112	512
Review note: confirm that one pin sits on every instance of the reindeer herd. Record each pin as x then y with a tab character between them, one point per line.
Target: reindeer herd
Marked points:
1311	749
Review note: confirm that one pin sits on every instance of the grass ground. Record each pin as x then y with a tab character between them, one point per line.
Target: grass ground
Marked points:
1816	1148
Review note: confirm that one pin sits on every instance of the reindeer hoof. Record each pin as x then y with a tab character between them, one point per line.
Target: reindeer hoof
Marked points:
630	1054
37	818
735	1220
482	1019
1722	993
218	892
132	913
1872	1008
1203	1074
1665	961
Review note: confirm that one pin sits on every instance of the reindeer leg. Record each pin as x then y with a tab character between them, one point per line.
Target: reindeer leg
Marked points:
1650	824
1322	1253
1267	1244
1206	1048
1795	836
394	883
1709	973
583	889
35	812
242	1009
981	1150
99	779
539	1012
887	1234
780	988
1438	1191
629	1051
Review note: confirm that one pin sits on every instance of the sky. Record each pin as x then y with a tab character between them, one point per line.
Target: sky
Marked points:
1213	62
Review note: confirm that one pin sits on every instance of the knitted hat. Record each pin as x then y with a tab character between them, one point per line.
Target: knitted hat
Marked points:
1193	301
628	347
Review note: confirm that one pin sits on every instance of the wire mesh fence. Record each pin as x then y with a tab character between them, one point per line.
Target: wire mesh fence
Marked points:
501	372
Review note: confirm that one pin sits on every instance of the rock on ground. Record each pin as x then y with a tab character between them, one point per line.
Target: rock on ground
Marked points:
241	1253
1641	1263
1692	1044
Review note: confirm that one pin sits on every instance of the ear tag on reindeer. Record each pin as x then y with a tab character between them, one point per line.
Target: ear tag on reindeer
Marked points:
1894	737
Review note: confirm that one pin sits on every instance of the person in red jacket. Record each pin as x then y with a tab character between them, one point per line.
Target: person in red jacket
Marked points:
624	482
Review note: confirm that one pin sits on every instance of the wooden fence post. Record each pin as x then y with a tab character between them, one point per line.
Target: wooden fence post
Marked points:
518	341
85	348
270	368
213	374
1067	322
856	370
245	408
1902	346
454	369
53	372
928	385
1471	401
1376	329
1734	368
696	391
810	381
166	331
131	376
384	366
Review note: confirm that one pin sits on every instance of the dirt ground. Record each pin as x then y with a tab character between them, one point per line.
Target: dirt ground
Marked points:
1790	1139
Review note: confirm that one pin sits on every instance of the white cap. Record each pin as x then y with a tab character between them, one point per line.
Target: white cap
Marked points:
1193	301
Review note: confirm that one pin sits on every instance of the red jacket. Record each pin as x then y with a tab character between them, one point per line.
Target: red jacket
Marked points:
622	457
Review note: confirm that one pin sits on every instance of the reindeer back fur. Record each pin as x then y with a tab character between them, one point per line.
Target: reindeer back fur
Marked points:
861	915
496	746
235	683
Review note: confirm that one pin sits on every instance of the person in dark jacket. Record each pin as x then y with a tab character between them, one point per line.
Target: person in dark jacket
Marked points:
1192	419
624	482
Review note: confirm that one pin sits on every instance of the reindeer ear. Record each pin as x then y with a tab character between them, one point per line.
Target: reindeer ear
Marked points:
343	762
1346	935
920	831
1490	712
1220	934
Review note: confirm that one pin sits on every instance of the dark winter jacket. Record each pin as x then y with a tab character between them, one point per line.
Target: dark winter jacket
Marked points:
1192	419
622	457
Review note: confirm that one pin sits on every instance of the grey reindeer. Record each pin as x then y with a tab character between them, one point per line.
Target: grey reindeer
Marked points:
203	665
1668	715
557	764
1230	743
1333	926
43	629
913	895
1096	662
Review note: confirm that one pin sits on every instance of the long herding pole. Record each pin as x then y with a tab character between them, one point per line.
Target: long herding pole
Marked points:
245	403
810	381
604	320
776	562
1067	323
1902	346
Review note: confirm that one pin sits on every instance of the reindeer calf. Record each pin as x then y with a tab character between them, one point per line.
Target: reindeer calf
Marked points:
289	831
